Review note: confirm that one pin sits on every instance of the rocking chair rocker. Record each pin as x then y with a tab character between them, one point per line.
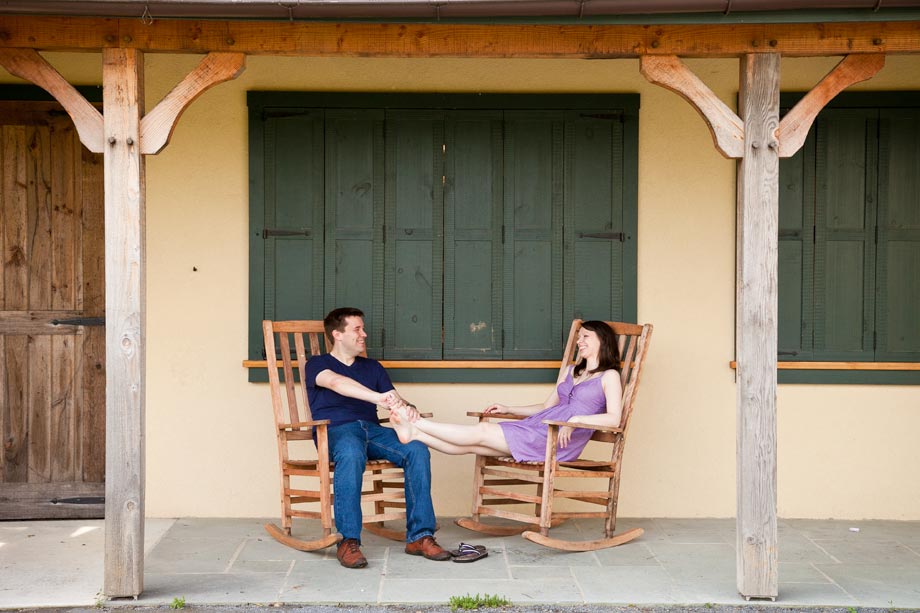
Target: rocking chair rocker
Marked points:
490	472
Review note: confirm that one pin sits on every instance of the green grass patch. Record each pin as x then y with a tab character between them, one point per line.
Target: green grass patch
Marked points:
485	601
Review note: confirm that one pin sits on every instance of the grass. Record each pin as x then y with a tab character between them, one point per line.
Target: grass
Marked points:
477	602
177	603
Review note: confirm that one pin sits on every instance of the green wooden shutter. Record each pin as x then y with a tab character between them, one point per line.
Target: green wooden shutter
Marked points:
796	253
845	235
472	235
293	215
414	234
354	197
594	226
898	262
533	198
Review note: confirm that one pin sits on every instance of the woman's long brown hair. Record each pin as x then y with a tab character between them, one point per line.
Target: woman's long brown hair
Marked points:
608	355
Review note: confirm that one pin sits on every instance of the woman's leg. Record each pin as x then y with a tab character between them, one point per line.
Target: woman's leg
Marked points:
484	438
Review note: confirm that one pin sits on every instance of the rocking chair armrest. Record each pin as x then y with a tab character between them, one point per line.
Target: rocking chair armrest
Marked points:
572	424
481	414
303	425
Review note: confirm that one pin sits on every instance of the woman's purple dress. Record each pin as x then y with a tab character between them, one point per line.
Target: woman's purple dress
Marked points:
527	437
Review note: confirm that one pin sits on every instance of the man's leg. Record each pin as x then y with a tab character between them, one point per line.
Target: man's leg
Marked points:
348	449
415	460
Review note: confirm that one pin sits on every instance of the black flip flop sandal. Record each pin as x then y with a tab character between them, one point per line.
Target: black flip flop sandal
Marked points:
468	553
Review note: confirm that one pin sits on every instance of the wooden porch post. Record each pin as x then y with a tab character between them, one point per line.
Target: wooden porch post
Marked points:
756	326
125	316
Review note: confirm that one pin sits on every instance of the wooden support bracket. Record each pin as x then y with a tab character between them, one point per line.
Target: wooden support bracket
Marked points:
28	64
794	126
157	126
726	127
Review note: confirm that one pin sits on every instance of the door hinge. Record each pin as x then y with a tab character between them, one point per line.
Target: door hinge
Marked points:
79	500
79	321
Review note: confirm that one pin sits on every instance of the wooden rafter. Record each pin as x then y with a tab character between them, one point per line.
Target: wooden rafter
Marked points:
157	126
359	39
725	126
795	124
29	65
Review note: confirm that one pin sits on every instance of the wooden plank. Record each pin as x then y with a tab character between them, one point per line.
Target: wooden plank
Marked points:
553	364
125	273
724	125
15	411
38	208
39	403
29	65
158	125
63	423
51	500
37	322
843	365
356	39
4	417
92	284
15	218
64	237
756	328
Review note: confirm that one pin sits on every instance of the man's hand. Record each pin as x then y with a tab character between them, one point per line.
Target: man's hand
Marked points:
399	406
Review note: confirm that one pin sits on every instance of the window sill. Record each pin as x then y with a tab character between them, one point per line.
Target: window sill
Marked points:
847	373
878	366
449	371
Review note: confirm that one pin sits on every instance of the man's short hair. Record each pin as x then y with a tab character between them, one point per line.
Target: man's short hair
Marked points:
335	320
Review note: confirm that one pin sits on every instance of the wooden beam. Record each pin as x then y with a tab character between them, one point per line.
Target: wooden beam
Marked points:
125	316
795	125
756	327
726	128
158	125
29	65
360	39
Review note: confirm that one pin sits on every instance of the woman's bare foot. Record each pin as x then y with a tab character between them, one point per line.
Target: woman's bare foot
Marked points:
405	431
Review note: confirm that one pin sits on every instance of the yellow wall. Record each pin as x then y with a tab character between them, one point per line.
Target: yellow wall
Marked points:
844	451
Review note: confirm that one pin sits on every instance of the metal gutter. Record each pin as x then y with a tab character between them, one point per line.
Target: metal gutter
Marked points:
576	11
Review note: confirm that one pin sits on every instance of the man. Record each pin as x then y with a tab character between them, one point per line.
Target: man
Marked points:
346	388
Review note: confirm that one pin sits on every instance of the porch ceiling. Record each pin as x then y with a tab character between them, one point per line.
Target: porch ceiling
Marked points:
702	10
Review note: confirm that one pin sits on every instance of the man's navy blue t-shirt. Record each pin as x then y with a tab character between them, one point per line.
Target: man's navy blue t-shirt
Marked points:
338	409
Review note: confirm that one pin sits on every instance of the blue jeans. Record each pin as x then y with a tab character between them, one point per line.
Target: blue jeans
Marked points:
350	446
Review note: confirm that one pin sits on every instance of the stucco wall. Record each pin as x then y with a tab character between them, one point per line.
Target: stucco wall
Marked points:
844	451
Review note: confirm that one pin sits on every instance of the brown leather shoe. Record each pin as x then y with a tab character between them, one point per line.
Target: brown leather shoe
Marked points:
428	547
349	554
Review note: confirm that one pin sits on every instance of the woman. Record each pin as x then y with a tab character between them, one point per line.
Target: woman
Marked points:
588	392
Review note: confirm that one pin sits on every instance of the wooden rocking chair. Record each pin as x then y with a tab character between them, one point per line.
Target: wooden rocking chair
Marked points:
294	423
493	475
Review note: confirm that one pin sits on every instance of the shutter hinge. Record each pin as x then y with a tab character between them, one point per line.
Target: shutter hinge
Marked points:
384	234
876	235
503	240
874	340
383	337
503	338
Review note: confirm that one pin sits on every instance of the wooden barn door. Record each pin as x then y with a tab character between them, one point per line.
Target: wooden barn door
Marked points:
52	305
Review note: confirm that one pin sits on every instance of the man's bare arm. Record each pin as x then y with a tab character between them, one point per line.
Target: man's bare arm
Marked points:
346	386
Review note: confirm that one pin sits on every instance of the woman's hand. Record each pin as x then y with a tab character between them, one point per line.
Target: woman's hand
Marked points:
498	408
565	434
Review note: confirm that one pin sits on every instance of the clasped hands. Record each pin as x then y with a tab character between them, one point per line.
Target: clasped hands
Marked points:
399	408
